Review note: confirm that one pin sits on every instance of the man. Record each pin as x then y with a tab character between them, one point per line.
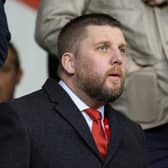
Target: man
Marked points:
145	25
70	123
4	33
10	74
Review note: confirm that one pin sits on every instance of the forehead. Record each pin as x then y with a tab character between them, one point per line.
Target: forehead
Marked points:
105	33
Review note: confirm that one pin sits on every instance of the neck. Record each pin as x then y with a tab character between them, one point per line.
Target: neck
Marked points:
90	101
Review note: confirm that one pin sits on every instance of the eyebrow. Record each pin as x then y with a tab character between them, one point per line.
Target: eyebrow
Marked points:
103	42
123	45
108	43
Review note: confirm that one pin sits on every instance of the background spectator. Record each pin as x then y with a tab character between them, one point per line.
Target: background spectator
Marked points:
10	74
21	17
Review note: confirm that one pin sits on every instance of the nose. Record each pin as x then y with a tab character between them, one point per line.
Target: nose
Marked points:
116	56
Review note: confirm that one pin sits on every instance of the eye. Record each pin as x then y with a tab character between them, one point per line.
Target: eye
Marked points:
122	50
102	48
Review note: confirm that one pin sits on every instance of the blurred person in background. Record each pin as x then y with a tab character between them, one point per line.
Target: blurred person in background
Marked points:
10	74
4	33
145	23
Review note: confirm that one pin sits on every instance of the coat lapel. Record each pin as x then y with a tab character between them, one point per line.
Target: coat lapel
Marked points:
68	110
115	133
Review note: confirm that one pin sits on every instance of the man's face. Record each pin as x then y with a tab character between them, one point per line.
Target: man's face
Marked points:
9	77
100	63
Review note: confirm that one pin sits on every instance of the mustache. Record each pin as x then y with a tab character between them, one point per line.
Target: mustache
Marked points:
115	71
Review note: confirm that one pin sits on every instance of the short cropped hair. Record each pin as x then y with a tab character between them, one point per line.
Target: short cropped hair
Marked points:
75	30
15	55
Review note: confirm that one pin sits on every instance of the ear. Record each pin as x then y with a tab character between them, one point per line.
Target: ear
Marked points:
67	62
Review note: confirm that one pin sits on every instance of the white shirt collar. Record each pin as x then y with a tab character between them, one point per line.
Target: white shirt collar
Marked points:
78	102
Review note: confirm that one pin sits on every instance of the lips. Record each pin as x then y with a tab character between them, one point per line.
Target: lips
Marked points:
115	74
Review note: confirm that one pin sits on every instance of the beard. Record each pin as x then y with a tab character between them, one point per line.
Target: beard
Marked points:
94	86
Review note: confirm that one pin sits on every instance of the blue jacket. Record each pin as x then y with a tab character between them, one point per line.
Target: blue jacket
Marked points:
4	33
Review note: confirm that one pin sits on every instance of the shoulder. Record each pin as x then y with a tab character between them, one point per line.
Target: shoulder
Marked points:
126	121
6	114
25	112
14	141
130	130
28	99
25	105
10	123
127	124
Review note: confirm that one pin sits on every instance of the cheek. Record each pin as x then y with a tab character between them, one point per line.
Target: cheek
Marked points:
90	63
8	80
4	79
123	66
95	69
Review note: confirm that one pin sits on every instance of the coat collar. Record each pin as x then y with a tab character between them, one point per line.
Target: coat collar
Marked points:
64	105
115	133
